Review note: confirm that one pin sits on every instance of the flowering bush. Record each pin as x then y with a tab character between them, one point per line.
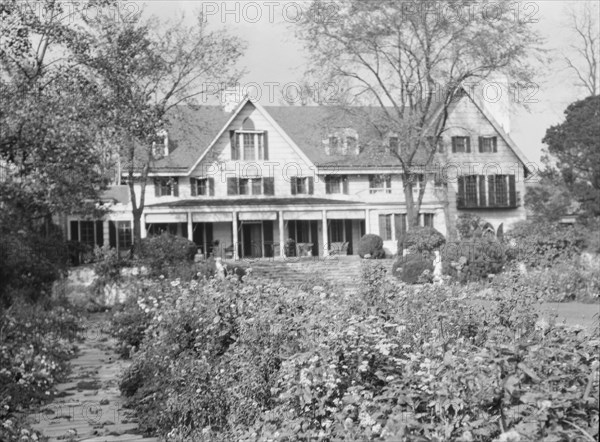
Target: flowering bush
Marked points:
414	268
165	252
421	239
224	360
36	343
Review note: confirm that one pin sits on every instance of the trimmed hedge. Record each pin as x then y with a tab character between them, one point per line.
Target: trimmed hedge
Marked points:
372	245
421	239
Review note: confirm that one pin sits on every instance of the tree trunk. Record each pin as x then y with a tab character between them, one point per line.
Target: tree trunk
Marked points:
137	232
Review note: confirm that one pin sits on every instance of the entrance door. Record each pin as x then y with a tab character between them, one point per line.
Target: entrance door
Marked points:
252	240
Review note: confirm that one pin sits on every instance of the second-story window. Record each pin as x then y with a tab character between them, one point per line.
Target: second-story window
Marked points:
202	186
249	145
380	184
301	185
488	144
166	186
461	144
250	186
336	184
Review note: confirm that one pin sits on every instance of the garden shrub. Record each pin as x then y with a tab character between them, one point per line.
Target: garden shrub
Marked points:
469	226
414	268
372	245
258	361
36	343
473	260
29	264
539	244
163	252
421	239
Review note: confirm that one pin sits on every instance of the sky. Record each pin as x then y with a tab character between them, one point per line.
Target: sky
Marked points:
275	59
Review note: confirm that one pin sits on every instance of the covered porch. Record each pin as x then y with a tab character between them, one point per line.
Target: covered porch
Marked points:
262	228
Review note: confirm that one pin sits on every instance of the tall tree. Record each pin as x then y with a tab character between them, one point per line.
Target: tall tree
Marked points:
410	59
48	121
584	59
575	144
147	69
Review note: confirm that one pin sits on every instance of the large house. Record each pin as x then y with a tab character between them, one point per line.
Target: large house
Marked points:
242	183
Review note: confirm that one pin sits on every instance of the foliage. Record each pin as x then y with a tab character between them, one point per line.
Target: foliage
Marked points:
469	226
257	361
413	268
539	244
29	263
473	260
36	342
574	144
147	68
392	56
371	244
421	239
164	252
575	279
107	267
549	200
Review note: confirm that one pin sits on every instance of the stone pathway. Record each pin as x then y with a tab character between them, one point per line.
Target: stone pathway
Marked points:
89	407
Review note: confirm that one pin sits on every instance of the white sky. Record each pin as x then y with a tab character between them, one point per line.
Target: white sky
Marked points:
275	55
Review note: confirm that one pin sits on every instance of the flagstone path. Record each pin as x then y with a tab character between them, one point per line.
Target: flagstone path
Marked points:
89	407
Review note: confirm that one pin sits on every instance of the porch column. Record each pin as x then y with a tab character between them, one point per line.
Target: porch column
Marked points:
234	225
189	226
142	226
325	235
367	221
281	234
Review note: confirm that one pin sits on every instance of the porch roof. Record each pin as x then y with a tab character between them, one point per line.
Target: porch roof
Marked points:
258	202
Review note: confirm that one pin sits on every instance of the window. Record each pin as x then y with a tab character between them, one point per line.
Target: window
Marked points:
479	191
90	233
385	227
394	144
87	232
418	181
302	185
342	142
461	145
124	234
168	186
249	145
352	143
202	186
334	145
336	184
380	184
488	144
427	219
250	186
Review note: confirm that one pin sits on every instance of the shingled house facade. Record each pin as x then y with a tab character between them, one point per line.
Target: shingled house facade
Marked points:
241	184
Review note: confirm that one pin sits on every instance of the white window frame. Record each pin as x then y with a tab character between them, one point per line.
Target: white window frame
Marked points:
258	137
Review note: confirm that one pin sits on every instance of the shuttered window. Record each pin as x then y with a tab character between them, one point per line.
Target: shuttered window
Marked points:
493	191
461	144
385	227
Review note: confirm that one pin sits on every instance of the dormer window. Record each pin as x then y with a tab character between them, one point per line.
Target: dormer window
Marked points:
394	144
342	142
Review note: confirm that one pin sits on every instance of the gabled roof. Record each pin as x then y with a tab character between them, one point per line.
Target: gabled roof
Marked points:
193	131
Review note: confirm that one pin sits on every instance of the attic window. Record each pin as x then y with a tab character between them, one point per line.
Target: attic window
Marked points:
342	142
394	144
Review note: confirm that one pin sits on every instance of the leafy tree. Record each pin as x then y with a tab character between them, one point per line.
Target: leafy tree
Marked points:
48	122
410	60
146	69
575	143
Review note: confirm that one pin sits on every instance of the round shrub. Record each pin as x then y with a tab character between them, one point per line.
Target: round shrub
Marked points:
371	245
473	260
421	239
413	269
160	253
